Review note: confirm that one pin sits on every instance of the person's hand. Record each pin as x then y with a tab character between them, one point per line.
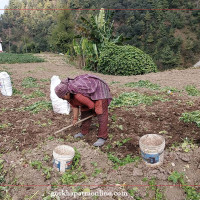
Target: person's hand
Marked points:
74	121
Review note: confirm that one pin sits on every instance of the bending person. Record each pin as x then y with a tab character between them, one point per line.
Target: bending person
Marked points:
92	95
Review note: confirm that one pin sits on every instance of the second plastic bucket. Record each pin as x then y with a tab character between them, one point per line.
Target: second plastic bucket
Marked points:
152	149
63	156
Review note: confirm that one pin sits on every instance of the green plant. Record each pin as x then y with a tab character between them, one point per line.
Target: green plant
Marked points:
133	193
190	103
34	94
186	146
47	172
124	60
143	84
36	164
47	158
145	179
76	159
15	91
120	162
44	124
39	106
191	193
192	90
11	58
114	82
153	186
152	183
167	88
4	126
176	177
29	82
70	177
121	143
44	80
96	172
193	116
3	189
74	174
134	99
50	138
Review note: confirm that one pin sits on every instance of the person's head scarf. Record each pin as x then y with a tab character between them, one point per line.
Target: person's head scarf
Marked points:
62	89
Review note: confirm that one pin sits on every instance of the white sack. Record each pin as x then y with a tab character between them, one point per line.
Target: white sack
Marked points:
59	105
5	84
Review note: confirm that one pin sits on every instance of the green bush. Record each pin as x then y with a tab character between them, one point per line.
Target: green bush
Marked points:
124	60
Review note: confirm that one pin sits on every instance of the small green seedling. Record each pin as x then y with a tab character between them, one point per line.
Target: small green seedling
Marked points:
36	164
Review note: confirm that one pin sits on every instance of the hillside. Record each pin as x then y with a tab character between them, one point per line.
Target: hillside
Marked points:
171	37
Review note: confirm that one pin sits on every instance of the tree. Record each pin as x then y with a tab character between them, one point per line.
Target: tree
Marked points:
63	32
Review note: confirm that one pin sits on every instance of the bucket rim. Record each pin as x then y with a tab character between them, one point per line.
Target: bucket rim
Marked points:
72	151
149	146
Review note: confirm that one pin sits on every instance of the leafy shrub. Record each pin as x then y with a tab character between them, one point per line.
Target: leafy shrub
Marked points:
124	60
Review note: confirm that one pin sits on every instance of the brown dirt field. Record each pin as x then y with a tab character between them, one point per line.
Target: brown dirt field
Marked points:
26	137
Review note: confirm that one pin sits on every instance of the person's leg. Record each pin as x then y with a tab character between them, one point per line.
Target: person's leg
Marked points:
103	124
85	126
103	121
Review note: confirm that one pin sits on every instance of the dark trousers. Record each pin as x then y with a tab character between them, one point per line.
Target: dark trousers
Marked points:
102	120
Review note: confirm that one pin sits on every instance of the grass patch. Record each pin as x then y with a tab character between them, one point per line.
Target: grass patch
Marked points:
192	90
190	117
10	58
39	106
134	99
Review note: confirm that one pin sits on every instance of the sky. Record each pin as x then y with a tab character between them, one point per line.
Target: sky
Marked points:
3	3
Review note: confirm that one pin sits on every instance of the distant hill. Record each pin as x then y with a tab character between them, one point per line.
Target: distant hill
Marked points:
171	37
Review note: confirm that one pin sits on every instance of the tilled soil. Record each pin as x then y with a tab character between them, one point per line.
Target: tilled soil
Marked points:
21	131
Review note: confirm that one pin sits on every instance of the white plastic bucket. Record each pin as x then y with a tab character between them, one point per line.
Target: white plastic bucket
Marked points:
152	149
63	156
5	84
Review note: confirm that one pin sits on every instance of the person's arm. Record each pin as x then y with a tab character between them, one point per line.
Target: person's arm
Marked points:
85	101
75	114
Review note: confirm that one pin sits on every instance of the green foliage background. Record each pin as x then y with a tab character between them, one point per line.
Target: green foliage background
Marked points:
170	37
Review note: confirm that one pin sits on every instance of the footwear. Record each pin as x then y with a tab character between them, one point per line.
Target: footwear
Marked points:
78	135
99	142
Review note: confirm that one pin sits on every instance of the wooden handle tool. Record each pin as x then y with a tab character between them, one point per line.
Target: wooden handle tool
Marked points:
73	125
